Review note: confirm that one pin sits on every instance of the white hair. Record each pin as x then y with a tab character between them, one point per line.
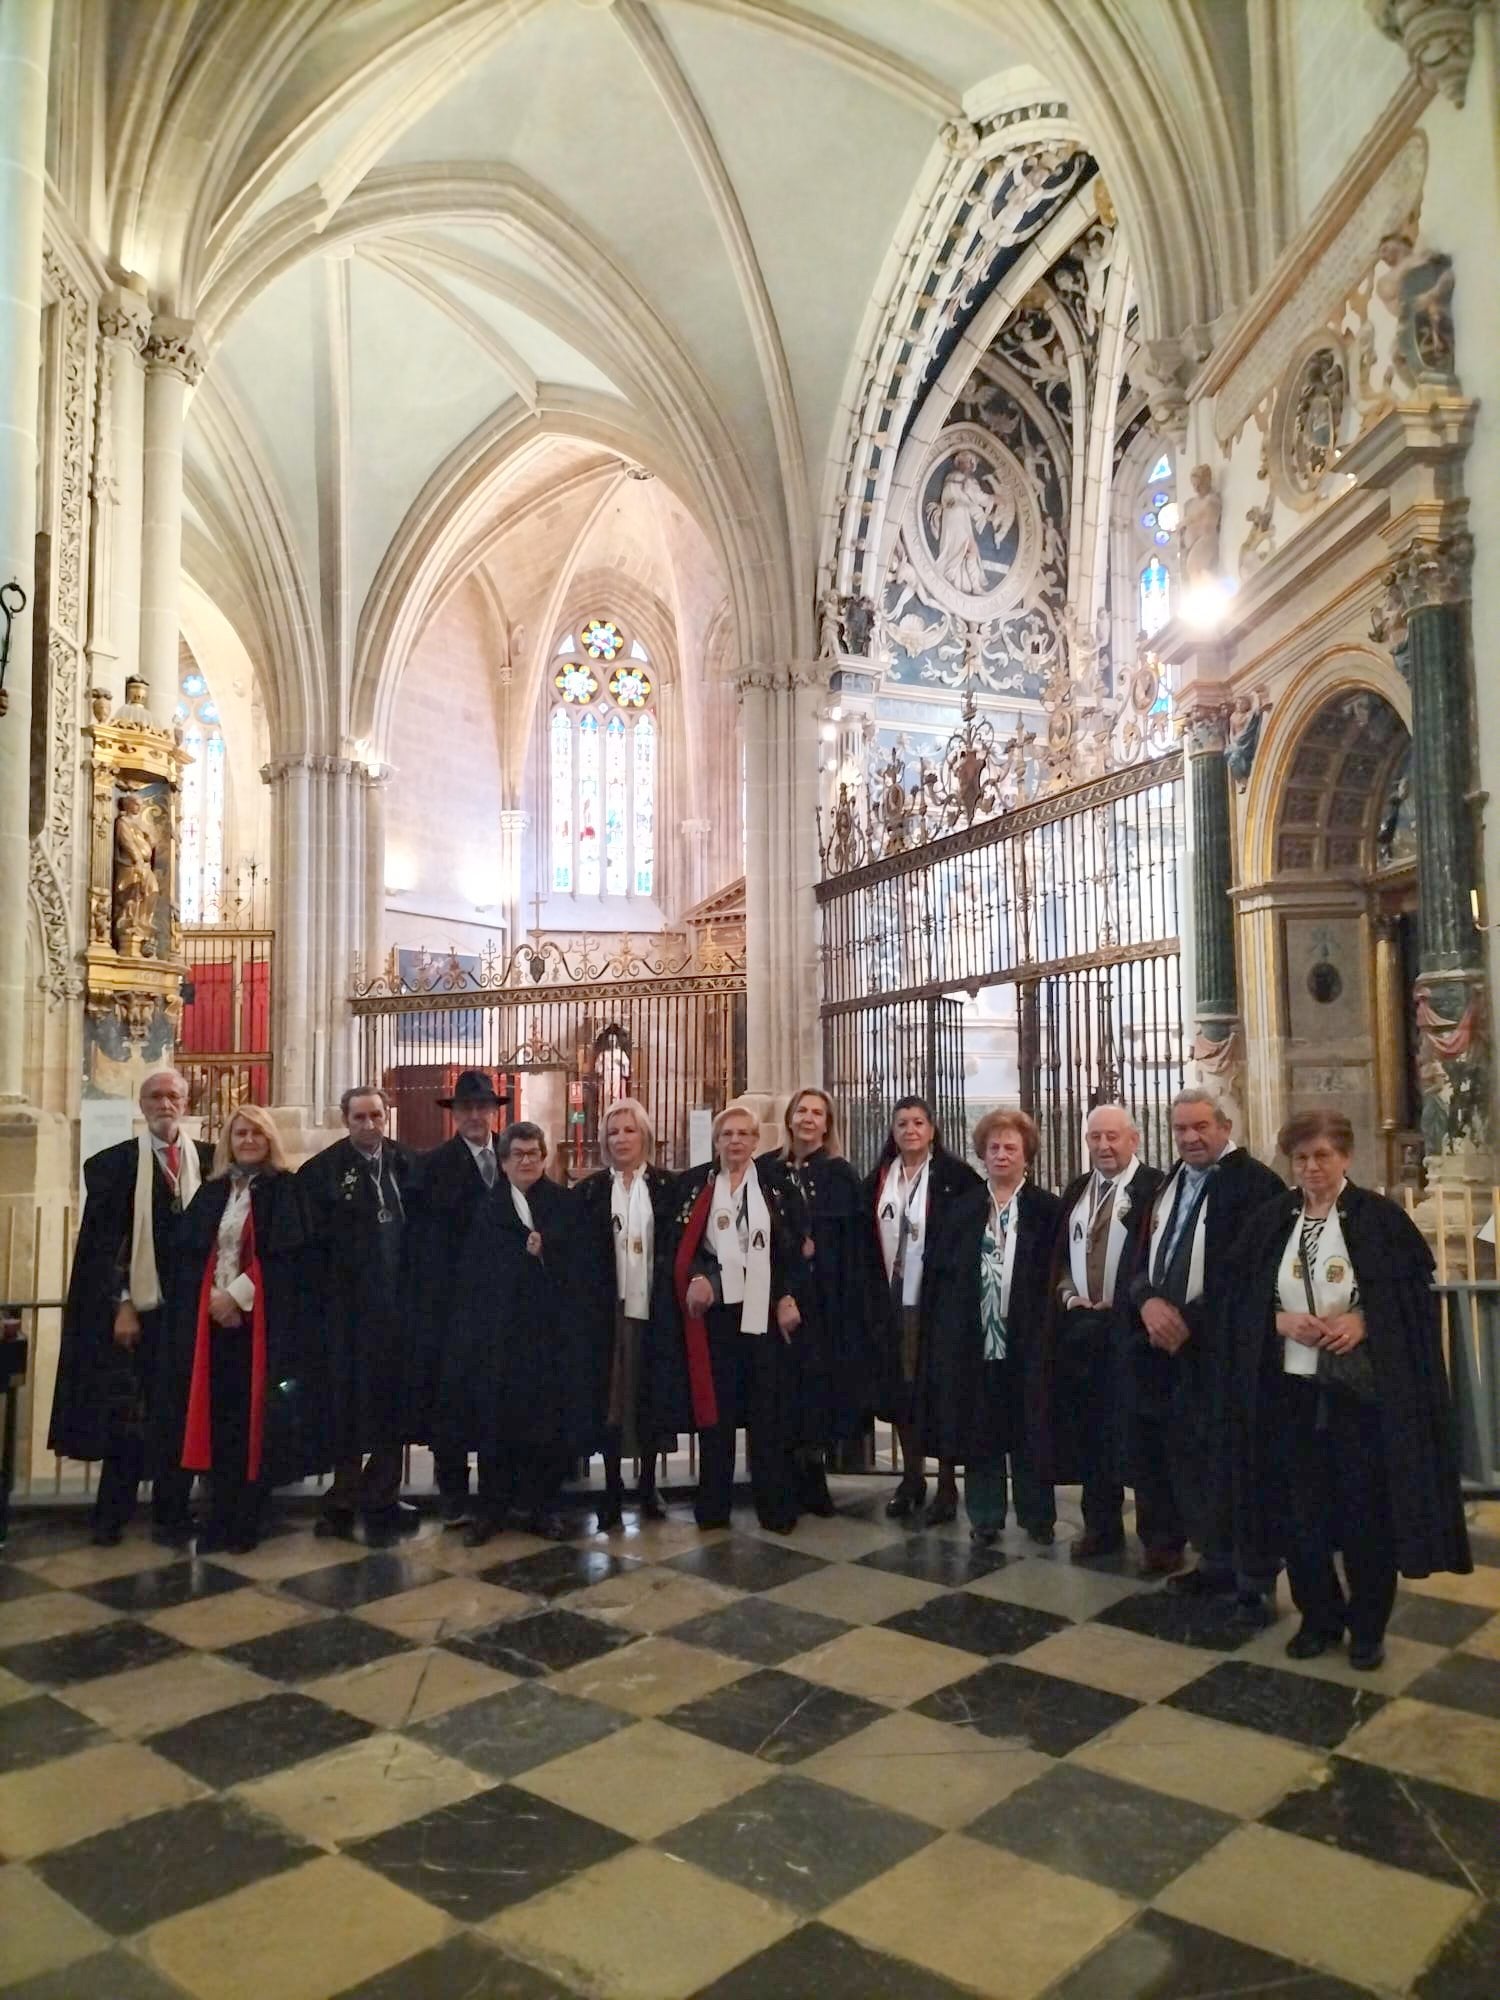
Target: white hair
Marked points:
1120	1108
1196	1093
157	1075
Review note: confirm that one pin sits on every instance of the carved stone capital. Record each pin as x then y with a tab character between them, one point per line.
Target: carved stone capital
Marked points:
755	678
125	316
1428	573
696	829
174	345
513	820
1437	35
1205	729
1162	369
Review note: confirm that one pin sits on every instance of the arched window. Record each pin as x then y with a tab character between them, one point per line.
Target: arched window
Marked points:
200	838
602	737
1156	518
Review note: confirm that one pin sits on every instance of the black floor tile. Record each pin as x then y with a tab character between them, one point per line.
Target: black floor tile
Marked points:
816	1963
1465	1968
777	1716
519	1728
321	1646
1209	1623
367	1580
1051	1715
743	1563
1463	1680
1318	1713
797	1842
1436	1621
1160	1958
761	1630
35	1730
936	1559
255	1738
488	1852
554	1572
111	1975
544	1643
154	1868
1409	1823
1119	1835
976	1624
88	1656
162	1589
16	1583
464	1968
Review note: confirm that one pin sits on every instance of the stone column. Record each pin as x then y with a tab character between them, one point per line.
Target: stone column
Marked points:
174	363
1429	586
115	574
513	825
1217	1041
694	851
25	42
372	947
292	1000
756	686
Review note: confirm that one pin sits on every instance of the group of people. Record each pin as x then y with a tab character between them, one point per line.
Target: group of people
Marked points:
1262	1366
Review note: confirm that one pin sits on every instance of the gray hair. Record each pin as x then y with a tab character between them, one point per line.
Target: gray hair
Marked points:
362	1090
1111	1106
1196	1093
156	1076
522	1132
638	1112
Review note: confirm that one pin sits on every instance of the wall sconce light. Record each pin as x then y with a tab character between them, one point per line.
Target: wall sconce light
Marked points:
12	604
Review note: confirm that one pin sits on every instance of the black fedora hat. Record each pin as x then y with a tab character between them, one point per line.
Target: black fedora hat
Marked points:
474	1086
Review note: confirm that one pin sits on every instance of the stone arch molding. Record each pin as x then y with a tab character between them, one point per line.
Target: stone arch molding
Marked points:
1343	669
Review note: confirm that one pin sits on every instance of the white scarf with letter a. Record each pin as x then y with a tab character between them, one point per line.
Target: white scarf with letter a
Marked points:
739	1234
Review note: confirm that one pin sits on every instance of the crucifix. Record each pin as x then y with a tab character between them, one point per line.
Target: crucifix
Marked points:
536	916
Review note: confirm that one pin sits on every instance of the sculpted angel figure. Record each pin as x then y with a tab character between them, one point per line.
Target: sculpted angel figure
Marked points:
969	502
137	884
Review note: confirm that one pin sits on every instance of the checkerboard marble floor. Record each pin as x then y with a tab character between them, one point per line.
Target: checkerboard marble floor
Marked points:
855	1764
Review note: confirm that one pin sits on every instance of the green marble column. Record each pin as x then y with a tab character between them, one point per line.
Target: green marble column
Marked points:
1430	584
1216	1043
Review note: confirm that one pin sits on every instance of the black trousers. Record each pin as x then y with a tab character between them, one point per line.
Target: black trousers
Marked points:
614	1478
120	1476
1087	1375
451	1471
520	1477
1182	1491
372	1484
752	1388
1328	1460
235	1501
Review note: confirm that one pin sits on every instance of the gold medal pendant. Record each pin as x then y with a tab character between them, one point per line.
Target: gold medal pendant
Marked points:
637	1247
1336	1271
721	1222
1297	1271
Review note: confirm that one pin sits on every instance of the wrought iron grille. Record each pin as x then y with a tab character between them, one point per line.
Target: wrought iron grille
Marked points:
1063	913
224	1048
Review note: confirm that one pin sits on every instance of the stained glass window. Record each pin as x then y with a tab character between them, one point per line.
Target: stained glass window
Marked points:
201	804
1162	468
601	761
1156	597
567	645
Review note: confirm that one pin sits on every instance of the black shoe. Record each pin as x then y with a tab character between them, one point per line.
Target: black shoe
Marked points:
1366	1655
779	1524
173	1534
400	1518
711	1520
1307	1643
106	1535
610	1516
1201	1582
1043	1534
541	1521
1089	1547
241	1544
813	1495
906	1500
211	1540
984	1538
651	1508
944	1509
335	1521
1251	1609
455	1510
476	1532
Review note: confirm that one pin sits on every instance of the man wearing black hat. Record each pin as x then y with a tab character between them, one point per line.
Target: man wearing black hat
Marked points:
450	1186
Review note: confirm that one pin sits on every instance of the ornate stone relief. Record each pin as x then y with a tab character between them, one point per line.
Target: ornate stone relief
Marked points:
1308	428
1437	35
974	532
174	344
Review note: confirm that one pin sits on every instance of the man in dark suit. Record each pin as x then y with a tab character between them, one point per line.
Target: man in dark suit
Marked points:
355	1194
1181	1457
450	1187
122	1270
1095	1260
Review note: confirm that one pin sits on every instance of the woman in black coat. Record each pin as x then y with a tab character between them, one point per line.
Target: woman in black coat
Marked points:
1343	1432
984	1312
837	1372
906	1198
509	1389
621	1216
241	1392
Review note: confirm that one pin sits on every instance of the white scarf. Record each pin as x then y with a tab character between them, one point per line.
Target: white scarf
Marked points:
145	1280
634	1230
903	1205
1081	1222
1326	1290
744	1263
523	1209
1161	1215
1005	1226
228	1274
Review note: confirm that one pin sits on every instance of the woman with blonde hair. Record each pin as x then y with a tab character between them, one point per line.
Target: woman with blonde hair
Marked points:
838	1365
242	1396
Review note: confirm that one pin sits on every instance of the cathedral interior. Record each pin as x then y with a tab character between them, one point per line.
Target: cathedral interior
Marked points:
677	550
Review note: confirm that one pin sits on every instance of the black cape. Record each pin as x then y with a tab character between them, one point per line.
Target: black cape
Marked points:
1088	1354
964	1409
509	1377
590	1309
1393	1269
102	1390
950	1178
296	1443
1189	1388
446	1196
359	1266
839	1359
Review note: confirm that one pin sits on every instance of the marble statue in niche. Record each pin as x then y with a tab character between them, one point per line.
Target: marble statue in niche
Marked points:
1202	516
137	884
1416	288
1242	734
972	512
